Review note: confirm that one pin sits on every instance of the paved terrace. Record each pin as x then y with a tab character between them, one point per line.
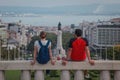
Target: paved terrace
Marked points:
24	66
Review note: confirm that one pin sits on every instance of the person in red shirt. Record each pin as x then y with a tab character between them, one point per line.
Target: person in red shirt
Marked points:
78	48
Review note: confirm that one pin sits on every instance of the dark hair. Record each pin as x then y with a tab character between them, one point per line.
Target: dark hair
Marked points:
42	34
78	32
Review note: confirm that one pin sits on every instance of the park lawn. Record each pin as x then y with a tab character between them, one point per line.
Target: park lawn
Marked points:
15	75
12	75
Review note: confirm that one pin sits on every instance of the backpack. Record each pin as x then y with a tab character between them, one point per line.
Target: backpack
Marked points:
43	54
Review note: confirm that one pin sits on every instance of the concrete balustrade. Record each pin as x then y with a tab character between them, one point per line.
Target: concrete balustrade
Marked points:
39	75
79	75
25	75
104	75
65	75
117	75
103	66
2	75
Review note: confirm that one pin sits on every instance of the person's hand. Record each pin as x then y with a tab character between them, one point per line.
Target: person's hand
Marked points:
64	62
53	62
32	62
92	62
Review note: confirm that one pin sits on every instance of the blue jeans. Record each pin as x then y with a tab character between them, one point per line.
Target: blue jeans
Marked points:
47	72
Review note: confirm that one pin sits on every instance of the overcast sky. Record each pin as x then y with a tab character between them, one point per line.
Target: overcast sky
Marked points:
86	6
61	6
53	3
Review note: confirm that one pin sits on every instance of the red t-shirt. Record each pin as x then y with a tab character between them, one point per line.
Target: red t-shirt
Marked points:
78	49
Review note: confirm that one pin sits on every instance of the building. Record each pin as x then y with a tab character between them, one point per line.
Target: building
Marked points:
102	35
3	31
17	31
105	34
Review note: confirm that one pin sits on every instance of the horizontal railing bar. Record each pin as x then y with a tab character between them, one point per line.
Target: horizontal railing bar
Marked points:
25	65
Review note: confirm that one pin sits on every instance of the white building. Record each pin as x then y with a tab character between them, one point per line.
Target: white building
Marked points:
101	36
105	35
3	31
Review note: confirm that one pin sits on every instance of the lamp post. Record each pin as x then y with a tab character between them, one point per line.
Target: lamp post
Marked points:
0	48
8	52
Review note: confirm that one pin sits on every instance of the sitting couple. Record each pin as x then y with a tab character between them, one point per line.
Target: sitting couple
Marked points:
78	49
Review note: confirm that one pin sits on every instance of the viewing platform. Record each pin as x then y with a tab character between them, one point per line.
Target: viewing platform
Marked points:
25	67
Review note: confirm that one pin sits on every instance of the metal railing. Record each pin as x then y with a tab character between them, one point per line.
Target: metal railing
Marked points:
21	53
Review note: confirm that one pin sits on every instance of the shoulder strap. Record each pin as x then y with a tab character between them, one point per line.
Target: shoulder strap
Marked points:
45	45
40	43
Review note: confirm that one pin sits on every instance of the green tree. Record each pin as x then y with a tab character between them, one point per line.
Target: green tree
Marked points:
53	38
114	52
117	52
30	46
66	36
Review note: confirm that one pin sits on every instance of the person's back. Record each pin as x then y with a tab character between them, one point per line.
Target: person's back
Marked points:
78	49
37	47
43	54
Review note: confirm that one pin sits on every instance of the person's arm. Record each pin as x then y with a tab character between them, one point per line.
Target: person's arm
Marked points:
64	62
51	56
88	56
35	55
69	53
50	53
70	49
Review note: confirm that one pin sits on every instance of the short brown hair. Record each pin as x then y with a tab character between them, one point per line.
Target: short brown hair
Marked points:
42	34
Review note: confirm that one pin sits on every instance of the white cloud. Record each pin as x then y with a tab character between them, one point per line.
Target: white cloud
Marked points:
99	9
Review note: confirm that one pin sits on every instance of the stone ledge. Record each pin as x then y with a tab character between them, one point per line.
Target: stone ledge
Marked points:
25	65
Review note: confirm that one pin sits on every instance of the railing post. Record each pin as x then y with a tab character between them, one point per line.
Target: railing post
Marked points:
117	75
25	75
104	75
65	75
79	75
39	75
2	75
